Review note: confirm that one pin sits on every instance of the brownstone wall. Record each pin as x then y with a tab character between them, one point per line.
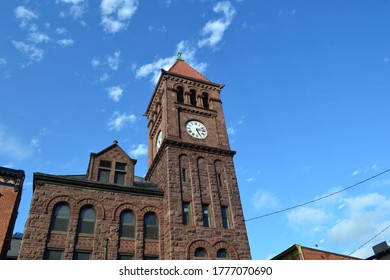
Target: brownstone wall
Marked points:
108	206
200	188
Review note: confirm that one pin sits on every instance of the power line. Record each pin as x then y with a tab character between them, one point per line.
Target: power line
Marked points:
369	240
318	199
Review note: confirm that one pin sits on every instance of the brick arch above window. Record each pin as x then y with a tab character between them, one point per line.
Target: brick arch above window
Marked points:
125	206
59	199
151	209
100	211
194	245
230	249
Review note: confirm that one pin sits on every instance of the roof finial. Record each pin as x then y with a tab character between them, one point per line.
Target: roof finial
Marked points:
179	56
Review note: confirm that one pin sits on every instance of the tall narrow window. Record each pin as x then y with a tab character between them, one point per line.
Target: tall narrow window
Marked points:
205	99
87	220
186	213
219	180
150	226
206	216
193	97
180	94
127	224
104	171
60	218
225	217
120	172
183	175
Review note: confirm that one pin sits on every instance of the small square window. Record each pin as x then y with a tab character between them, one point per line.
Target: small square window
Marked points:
105	163
119	178
120	166
104	176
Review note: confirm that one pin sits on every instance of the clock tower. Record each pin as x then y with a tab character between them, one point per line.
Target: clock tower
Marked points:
191	160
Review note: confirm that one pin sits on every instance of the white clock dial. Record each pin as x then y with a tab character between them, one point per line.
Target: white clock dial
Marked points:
196	129
159	140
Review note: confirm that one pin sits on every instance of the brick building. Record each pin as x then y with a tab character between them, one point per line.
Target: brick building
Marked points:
11	186
298	252
187	207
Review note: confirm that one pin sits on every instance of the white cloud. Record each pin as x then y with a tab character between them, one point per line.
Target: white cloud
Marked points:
104	77
116	14
307	216
76	8
138	150
119	121
3	61
161	29
234	128
65	42
24	14
37	37
61	30
263	199
113	60
33	52
12	147
95	62
115	93
154	68
374	167
214	30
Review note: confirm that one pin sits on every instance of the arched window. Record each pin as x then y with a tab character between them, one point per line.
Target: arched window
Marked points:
150	226
222	254
180	94
127	224
87	220
193	97
60	218
205	99
200	253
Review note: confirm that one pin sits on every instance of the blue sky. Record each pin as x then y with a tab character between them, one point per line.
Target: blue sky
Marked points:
306	101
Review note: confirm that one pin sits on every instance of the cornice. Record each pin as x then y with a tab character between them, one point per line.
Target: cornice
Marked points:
41	178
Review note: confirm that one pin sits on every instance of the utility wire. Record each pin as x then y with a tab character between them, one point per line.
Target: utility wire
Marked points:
370	240
317	199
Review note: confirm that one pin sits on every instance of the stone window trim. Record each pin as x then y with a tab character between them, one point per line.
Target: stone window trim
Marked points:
225	245
196	244
123	207
49	207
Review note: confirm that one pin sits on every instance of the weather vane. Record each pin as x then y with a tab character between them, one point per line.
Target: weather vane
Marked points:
179	56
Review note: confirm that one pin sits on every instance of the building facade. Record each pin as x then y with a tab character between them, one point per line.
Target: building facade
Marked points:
11	187
187	207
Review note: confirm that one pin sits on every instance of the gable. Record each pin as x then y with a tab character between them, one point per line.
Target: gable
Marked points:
112	166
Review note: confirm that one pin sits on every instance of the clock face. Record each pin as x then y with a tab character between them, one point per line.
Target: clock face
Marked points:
196	129
159	140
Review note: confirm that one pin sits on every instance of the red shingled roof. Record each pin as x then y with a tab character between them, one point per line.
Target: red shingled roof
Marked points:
182	68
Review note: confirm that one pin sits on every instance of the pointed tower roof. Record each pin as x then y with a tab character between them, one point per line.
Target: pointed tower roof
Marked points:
182	68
